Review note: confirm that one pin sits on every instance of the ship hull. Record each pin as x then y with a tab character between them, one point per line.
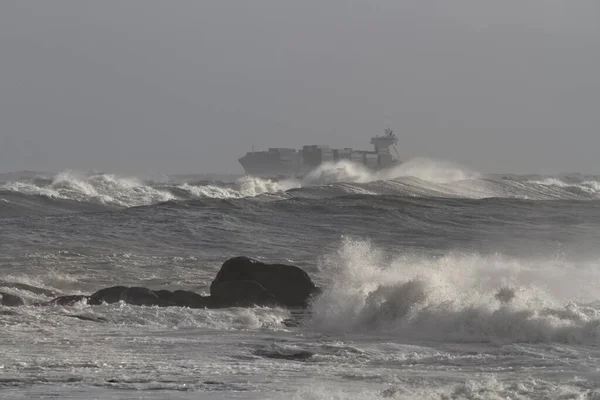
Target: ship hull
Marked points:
282	170
273	171
277	162
272	168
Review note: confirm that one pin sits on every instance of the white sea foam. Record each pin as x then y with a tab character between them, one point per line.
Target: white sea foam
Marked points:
485	387
588	186
422	168
456	297
419	177
436	171
101	188
129	192
246	186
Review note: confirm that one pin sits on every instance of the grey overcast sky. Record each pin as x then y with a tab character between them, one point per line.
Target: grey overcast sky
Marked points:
189	86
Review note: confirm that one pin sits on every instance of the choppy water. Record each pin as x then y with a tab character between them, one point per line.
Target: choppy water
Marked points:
412	262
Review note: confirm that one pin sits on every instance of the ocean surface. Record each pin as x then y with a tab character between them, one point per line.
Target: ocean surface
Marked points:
439	283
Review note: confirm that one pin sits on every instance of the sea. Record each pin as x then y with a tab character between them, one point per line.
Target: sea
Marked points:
439	282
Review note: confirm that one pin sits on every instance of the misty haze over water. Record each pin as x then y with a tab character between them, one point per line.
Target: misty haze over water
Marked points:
468	271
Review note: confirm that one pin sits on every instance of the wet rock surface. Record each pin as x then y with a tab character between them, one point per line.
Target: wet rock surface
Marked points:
241	282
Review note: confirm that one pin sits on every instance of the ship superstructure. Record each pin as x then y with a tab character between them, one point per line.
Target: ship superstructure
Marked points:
291	162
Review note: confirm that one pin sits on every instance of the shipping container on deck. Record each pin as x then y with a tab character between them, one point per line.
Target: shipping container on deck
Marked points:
314	155
371	160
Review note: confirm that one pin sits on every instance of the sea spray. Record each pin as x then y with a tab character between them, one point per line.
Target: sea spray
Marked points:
430	170
99	188
246	186
419	177
587	186
454	297
340	171
130	192
436	171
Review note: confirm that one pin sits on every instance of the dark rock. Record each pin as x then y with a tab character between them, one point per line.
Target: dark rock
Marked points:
241	282
394	302
391	392
164	294
66	300
10	300
291	323
137	296
291	286
186	298
505	294
141	296
300	355
240	294
108	295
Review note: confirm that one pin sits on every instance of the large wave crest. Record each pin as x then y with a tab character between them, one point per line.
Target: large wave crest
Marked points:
419	177
458	297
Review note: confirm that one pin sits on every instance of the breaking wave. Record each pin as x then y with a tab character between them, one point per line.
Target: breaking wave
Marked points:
420	168
112	190
414	178
458	297
97	188
246	186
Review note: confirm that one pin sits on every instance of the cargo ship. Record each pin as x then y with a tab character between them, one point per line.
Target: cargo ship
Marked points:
285	162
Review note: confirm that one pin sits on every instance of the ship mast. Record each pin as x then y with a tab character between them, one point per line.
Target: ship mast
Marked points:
391	133
384	142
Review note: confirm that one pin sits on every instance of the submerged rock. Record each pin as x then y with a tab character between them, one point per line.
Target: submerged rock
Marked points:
29	288
10	300
67	300
290	285
240	294
291	355
505	294
108	295
164	294
187	298
141	296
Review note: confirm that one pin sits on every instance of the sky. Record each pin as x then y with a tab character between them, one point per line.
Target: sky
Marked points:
185	86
